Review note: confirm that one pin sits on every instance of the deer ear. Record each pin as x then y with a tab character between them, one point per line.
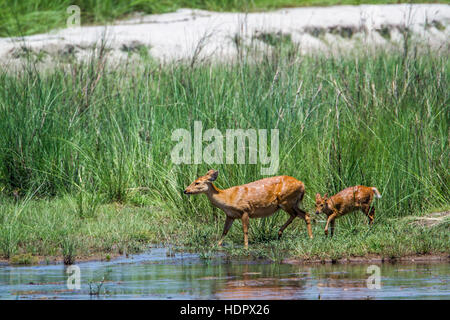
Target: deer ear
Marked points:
318	197
325	197
212	175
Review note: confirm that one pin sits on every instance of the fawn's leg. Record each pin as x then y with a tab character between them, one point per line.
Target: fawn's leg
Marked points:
226	227
331	217
332	227
305	216
245	221
369	212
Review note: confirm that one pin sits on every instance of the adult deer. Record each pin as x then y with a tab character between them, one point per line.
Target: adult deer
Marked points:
257	199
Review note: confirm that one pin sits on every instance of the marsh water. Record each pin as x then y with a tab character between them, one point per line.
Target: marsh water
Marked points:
158	274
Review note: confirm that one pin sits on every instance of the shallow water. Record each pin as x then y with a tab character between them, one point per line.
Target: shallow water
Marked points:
154	275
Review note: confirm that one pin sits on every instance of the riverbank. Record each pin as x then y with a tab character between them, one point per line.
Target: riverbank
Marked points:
377	259
108	257
50	15
124	230
26	260
194	36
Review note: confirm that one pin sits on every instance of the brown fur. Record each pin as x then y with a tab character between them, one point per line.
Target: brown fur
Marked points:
346	201
257	199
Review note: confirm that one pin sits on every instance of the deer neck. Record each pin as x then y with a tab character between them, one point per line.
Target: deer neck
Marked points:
214	195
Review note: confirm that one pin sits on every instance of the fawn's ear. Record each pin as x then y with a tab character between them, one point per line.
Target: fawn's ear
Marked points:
318	197
325	197
212	175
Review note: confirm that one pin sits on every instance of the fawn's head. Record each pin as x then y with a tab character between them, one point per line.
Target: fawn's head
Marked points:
202	184
321	203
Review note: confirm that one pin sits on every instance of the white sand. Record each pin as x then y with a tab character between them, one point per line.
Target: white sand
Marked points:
176	35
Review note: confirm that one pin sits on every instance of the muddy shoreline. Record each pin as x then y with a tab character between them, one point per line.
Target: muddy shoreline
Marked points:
372	259
377	259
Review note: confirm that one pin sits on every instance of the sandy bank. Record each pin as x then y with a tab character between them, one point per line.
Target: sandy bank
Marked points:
186	33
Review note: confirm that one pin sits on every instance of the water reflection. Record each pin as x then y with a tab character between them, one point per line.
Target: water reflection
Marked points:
260	282
153	275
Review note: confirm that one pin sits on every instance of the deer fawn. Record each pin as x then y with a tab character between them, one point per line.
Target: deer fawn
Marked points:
257	199
348	200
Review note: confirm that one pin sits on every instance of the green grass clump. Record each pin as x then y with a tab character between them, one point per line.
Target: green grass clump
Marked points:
391	239
53	228
85	149
25	17
24	258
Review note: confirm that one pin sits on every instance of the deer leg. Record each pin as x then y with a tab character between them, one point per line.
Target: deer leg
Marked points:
305	216
369	212
308	225
331	217
332	227
245	222
371	215
291	218
227	226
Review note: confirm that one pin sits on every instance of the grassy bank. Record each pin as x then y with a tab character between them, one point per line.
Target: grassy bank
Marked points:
55	230
29	17
85	162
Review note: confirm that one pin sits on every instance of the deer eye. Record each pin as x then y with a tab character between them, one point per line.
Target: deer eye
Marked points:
197	183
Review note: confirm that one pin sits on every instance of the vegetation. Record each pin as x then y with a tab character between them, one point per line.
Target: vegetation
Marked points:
41	231
25	17
85	162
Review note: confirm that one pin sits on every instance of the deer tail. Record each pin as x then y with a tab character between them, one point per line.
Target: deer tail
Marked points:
377	193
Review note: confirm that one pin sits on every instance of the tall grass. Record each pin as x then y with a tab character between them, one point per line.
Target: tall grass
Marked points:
104	135
369	119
